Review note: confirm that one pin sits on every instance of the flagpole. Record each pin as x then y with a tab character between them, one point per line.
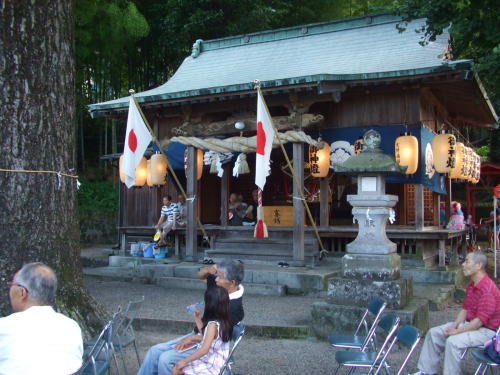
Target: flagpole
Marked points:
155	140
294	177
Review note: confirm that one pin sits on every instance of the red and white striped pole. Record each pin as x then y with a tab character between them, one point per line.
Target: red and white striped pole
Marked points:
260	228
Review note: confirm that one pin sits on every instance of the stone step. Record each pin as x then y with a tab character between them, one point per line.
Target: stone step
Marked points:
250	288
421	275
273	256
294	280
274	247
328	318
439	296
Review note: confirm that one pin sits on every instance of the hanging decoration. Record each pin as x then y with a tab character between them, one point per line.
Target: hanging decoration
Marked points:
444	150
213	163
120	168
141	172
406	152
456	171
148	177
241	165
465	175
199	163
158	163
319	160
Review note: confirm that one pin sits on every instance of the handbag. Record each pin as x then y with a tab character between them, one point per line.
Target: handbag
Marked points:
492	348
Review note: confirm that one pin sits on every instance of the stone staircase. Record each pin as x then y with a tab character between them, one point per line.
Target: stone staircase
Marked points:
259	279
438	286
239	243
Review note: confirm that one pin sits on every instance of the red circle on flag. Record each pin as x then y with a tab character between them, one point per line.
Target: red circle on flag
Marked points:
132	141
261	138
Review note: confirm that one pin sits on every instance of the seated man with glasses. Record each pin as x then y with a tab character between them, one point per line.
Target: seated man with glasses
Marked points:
35	339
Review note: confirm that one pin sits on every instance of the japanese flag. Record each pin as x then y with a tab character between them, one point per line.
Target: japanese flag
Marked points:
137	140
265	137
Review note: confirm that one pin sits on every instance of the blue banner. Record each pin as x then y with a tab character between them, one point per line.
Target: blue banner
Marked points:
343	142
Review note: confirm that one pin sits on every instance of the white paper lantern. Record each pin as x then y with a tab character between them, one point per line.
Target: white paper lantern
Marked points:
406	152
444	151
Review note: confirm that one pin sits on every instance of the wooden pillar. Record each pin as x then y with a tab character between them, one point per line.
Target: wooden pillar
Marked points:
419	207
324	207
442	253
191	230
121	214
435	211
224	195
298	206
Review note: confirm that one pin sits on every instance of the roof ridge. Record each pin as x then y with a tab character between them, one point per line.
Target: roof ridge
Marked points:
294	32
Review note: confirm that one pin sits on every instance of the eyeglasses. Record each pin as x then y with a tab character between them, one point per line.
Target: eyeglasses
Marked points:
12	283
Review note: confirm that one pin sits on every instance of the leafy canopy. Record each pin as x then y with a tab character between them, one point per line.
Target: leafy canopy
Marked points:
474	29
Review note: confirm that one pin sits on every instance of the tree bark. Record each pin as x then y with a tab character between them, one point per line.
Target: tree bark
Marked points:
39	217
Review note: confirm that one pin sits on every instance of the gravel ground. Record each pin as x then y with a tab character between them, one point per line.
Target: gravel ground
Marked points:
256	355
162	303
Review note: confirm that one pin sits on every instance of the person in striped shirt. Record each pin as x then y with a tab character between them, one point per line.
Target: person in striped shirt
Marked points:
166	223
475	324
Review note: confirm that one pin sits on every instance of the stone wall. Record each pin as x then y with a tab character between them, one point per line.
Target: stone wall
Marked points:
98	226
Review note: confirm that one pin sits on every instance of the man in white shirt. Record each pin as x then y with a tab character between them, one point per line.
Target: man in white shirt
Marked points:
35	339
167	220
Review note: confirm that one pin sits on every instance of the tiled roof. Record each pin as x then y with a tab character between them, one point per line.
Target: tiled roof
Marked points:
354	49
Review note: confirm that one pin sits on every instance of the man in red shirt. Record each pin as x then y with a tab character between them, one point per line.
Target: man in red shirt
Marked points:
476	322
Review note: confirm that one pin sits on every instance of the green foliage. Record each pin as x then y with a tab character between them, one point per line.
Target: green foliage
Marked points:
483	151
97	195
474	28
105	31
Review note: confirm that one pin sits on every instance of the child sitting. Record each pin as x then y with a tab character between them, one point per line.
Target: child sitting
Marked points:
457	217
217	329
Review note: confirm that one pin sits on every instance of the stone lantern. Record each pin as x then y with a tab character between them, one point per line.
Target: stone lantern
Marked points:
371	266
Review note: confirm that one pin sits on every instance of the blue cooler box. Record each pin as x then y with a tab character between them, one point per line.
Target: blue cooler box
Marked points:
149	251
163	251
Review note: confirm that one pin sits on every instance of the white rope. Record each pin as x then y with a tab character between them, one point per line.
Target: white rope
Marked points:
240	144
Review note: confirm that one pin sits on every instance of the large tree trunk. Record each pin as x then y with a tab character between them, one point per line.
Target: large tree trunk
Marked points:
39	218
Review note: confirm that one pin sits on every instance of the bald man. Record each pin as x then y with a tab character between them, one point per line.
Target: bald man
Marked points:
35	339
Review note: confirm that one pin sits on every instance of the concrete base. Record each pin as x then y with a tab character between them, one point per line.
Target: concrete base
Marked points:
371	266
343	291
328	318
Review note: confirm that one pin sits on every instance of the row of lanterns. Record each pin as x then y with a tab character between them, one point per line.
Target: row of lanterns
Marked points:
153	172
450	156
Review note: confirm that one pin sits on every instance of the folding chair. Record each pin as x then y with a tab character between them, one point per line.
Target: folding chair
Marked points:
360	342
238	332
124	334
481	347
483	360
408	336
369	359
98	357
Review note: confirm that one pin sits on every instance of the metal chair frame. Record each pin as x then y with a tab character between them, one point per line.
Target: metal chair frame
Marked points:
124	333
381	353
478	354
376	308
226	369
103	344
399	338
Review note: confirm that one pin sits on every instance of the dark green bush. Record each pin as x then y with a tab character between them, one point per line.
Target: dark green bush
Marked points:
98	195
